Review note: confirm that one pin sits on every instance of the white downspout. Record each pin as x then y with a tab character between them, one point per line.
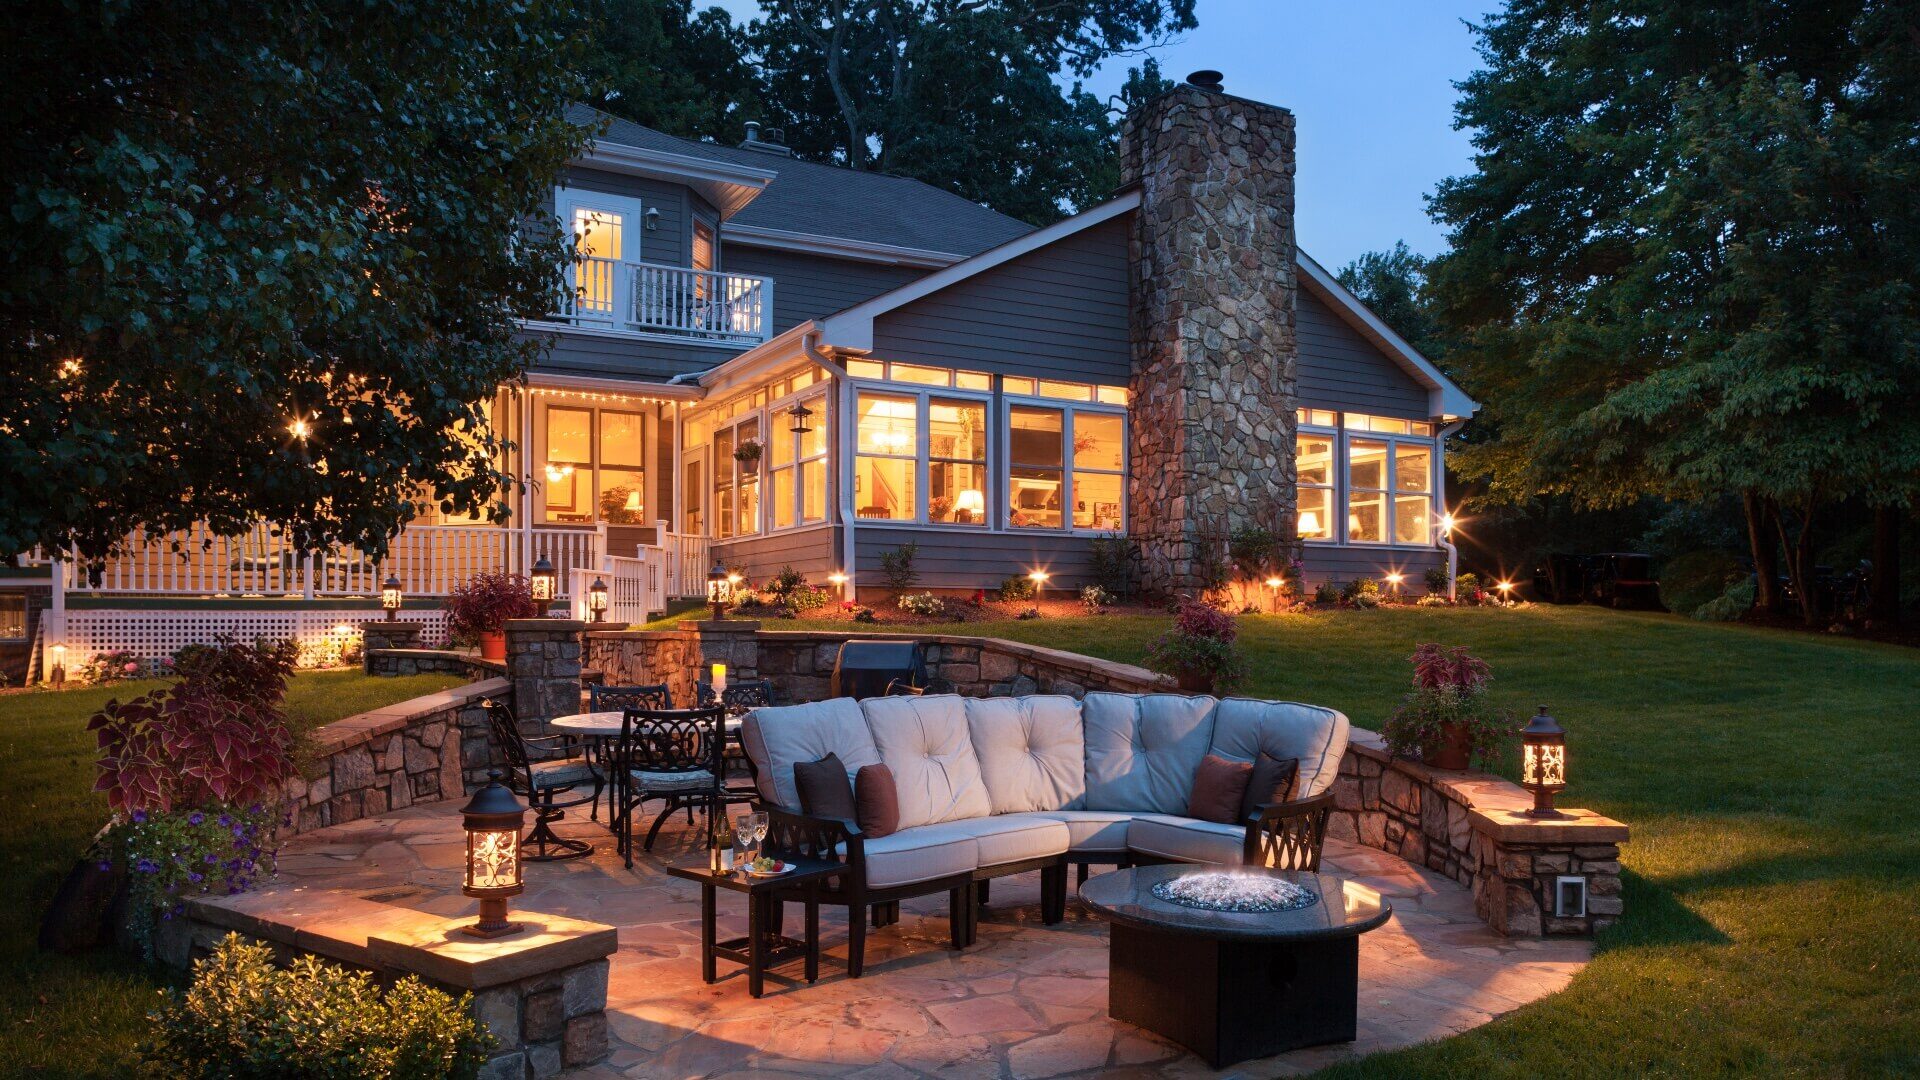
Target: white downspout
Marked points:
1445	538
842	461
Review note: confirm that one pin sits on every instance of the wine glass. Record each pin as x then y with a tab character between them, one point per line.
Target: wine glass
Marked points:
742	838
759	831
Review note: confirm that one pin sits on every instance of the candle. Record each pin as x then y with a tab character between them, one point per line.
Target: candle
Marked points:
719	678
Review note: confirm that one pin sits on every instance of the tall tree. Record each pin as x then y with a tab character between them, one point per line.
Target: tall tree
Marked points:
1684	265
961	93
264	259
1391	283
663	64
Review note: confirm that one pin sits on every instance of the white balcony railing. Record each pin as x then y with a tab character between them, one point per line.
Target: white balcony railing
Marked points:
656	299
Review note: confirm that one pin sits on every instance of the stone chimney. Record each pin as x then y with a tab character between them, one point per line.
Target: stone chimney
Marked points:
1212	287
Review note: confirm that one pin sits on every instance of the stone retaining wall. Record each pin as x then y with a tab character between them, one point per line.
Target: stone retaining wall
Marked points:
396	662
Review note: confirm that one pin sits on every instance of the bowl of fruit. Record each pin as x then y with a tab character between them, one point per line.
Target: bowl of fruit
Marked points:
765	866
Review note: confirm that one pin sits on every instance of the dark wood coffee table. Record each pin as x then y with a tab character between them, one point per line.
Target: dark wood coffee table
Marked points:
1232	986
764	945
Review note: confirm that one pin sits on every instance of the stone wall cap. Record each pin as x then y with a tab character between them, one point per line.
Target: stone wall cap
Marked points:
440	950
1579	827
351	731
557	626
728	626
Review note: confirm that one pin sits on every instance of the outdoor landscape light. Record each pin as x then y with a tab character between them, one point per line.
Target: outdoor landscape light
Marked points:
1446	524
1274	585
1543	763
544	578
800	414
1394	579
299	428
837	579
58	676
597	600
390	596
1506	589
719	590
492	820
1039	579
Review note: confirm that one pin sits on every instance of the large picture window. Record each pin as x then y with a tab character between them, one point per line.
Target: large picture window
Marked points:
1314	460
886	456
957	462
1049	487
593	466
1366	480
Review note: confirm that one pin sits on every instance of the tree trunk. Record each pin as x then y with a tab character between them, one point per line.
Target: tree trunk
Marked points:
1800	561
1883	608
1766	561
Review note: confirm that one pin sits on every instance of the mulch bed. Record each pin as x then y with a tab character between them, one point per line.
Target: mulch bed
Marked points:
1907	633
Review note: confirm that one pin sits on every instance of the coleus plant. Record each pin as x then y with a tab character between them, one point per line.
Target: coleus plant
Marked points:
189	746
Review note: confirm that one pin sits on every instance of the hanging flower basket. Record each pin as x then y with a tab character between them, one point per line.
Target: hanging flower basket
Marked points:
747	451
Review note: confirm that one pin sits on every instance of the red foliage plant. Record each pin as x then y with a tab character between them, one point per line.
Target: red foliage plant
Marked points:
255	674
1436	667
1195	619
188	746
484	603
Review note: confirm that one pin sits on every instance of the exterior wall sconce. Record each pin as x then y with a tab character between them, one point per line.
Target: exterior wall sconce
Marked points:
492	820
800	415
1543	763
719	590
651	218
597	600
390	597
544	579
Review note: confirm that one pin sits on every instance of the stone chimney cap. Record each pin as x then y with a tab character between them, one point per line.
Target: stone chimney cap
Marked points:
1207	79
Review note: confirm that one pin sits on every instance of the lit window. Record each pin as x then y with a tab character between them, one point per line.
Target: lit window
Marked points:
957	462
1413	493
1366	491
1316	418
924	376
1111	395
736	482
866	369
13	616
887	438
796	466
1313	458
1066	391
1035	444
622	468
1012	385
1042	476
566	475
972	380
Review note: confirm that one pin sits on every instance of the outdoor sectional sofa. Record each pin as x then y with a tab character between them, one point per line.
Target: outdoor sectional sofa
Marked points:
989	787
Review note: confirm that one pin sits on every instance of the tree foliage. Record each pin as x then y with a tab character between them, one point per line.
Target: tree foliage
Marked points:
663	64
265	259
1392	284
1684	265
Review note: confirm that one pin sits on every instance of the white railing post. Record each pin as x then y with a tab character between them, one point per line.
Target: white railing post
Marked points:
53	621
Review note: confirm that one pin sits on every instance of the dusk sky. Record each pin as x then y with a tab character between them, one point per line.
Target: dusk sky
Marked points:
1371	82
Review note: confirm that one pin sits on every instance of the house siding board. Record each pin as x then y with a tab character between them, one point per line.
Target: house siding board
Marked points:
810	286
668	241
1343	563
644	359
1340	369
1059	311
812	552
973	560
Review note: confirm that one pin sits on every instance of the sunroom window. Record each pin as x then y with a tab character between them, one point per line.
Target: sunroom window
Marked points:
736	483
1376	473
797	467
886	458
1044	479
1314	460
957	463
594	466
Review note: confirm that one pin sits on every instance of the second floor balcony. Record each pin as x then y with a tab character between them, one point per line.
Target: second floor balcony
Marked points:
676	301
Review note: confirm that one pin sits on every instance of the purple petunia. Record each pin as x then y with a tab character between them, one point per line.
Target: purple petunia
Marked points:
196	818
147	866
139	817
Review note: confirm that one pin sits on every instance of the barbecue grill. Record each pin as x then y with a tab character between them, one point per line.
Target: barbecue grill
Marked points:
869	668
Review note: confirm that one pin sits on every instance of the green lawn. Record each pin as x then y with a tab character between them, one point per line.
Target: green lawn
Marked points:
1773	886
67	1016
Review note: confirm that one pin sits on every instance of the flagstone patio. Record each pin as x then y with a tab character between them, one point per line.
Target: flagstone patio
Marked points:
1027	1001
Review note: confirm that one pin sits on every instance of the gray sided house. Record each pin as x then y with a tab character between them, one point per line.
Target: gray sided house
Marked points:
1168	366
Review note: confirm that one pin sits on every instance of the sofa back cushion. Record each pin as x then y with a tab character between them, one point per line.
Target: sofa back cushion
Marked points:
924	742
778	738
1143	749
1243	728
1032	751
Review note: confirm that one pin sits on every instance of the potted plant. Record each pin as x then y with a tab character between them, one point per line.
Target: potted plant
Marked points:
748	450
480	607
1199	651
1448	719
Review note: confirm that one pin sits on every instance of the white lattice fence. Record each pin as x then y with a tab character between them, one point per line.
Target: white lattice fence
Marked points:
153	635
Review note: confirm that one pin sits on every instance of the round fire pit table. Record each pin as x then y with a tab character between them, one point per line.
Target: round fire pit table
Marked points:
1233	985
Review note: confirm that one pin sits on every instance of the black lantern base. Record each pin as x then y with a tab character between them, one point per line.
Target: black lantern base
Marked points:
493	920
1543	807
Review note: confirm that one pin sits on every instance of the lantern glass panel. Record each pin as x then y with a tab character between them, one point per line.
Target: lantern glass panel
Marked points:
1544	765
493	859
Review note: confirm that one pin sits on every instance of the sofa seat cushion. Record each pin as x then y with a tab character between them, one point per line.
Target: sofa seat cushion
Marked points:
1170	836
1094	830
923	741
1143	749
1012	838
1032	752
1244	728
923	853
778	738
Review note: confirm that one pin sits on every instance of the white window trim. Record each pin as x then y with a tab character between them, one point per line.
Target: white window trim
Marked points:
1342	488
922	459
813	397
1004	478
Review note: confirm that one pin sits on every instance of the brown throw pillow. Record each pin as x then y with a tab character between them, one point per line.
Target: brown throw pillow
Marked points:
1272	782
876	801
824	788
1218	788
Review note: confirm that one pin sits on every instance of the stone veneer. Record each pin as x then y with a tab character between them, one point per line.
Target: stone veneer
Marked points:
1213	298
393	662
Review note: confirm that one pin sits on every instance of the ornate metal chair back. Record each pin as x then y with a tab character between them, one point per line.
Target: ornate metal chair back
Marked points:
739	696
622	698
506	732
671	740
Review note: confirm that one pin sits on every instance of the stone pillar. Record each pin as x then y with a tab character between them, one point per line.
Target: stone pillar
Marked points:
543	660
1213	288
730	642
381	634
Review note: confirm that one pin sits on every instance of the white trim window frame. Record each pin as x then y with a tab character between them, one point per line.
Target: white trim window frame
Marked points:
725	509
924	398
801	461
1391	493
568	203
1070	471
1329	505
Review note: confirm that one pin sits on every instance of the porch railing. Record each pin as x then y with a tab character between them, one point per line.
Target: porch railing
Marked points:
636	587
686	564
659	299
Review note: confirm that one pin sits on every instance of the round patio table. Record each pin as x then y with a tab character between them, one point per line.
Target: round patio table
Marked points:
1234	985
606	725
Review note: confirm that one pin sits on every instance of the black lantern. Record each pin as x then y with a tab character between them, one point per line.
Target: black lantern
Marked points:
1543	763
492	819
719	590
545	584
800	414
390	595
597	600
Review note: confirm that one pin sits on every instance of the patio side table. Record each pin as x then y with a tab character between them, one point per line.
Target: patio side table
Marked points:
764	946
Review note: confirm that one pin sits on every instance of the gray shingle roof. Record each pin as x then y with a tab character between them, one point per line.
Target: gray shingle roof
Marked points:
828	200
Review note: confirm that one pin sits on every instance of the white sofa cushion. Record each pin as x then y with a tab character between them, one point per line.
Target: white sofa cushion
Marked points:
1032	751
1143	749
778	738
1187	839
924	742
1093	830
1243	728
923	853
1011	838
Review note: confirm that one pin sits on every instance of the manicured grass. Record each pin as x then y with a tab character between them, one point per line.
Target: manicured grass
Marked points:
1773	881
80	1016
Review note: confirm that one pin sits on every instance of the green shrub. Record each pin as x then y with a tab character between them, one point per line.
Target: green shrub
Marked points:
1018	587
1362	592
1730	605
896	565
1110	563
1095	599
1326	592
242	1017
865	615
807	597
1687	582
1437	579
785	582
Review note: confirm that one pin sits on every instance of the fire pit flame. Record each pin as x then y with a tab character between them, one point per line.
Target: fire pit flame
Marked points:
1246	894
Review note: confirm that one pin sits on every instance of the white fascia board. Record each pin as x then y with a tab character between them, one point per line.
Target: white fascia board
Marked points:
728	187
852	329
1444	398
837	247
759	360
590	384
